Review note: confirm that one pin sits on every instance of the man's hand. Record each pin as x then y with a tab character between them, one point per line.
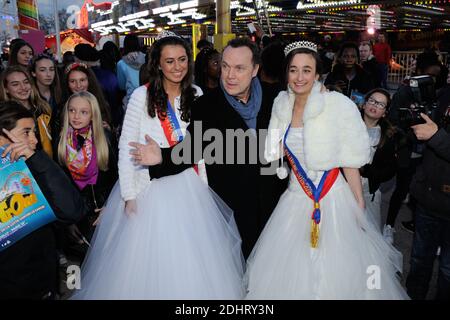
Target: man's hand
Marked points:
146	154
426	130
97	221
17	148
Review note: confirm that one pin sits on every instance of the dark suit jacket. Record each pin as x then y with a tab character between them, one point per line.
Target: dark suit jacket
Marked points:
250	195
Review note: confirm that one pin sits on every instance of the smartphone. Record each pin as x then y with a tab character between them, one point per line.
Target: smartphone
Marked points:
251	27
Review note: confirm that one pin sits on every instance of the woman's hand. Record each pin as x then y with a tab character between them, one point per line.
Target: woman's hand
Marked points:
130	207
146	154
361	203
354	181
17	148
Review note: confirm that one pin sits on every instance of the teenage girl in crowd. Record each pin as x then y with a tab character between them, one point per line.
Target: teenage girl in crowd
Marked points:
21	54
385	141
17	85
79	77
43	69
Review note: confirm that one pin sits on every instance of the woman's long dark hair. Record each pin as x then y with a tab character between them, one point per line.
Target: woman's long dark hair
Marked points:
157	96
387	129
15	48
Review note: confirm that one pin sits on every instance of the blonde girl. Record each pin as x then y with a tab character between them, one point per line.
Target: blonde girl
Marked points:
87	152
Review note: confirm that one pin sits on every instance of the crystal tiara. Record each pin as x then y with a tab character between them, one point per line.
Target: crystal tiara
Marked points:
300	44
165	34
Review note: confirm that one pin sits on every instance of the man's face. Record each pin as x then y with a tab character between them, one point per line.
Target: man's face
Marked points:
237	71
364	52
349	57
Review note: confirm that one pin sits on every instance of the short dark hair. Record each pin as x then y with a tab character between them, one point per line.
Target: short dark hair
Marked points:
11	112
272	58
427	59
349	45
202	43
246	42
131	44
366	43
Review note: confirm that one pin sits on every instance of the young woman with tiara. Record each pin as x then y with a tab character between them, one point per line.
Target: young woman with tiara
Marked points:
168	238
318	243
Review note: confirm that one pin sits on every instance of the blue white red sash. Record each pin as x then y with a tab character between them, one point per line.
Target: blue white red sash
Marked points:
171	127
315	194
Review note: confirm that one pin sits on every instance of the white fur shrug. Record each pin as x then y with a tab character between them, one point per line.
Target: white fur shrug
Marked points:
334	132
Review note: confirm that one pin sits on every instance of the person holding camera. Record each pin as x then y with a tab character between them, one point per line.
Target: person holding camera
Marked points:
403	113
431	189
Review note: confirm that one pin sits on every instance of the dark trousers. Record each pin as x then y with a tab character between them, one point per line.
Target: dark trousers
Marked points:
383	70
402	182
430	233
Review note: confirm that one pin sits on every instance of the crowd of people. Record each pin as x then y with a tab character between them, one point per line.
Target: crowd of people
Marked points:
103	134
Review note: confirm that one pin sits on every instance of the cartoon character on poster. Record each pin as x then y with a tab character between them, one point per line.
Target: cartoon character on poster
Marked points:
23	207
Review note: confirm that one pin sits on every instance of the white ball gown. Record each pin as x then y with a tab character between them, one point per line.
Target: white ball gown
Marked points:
352	260
182	243
373	201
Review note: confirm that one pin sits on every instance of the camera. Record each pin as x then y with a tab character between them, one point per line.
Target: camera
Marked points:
424	93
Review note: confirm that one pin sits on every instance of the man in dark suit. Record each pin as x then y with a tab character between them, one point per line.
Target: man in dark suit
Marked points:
233	113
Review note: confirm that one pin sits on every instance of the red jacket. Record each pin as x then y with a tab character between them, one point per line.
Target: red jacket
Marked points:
382	52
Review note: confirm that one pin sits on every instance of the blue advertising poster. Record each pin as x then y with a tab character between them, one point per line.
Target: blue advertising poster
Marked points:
357	98
23	207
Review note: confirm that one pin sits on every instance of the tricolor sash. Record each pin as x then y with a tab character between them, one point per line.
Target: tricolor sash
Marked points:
315	194
172	129
171	126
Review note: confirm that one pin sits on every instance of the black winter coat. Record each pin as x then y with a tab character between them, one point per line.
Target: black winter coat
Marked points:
29	268
249	194
362	81
431	184
371	67
385	161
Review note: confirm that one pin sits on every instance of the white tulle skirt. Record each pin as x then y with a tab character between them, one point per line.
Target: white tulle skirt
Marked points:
182	243
352	260
373	208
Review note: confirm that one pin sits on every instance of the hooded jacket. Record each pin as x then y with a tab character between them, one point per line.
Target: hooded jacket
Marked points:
128	73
